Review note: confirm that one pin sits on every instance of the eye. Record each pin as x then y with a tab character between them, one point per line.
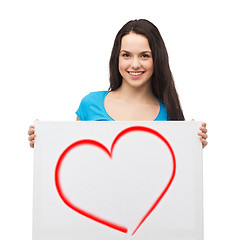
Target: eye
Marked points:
126	55
146	56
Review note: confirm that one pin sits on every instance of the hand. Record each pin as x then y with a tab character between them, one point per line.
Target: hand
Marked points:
32	135
203	135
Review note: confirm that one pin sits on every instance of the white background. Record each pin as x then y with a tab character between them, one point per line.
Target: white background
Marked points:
53	53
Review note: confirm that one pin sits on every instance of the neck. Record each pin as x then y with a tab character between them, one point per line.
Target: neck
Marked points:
132	94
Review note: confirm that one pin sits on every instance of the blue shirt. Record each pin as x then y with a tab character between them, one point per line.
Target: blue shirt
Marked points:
92	108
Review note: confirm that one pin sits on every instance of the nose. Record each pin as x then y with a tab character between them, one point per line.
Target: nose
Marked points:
136	63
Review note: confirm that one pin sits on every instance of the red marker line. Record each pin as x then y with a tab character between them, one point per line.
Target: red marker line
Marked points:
149	130
65	199
109	153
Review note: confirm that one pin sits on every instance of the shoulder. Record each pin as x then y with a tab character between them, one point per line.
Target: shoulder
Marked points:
91	106
94	97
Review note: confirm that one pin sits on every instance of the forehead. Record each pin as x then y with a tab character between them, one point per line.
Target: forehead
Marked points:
133	42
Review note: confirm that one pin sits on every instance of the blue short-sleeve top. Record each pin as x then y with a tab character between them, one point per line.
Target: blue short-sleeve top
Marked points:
92	108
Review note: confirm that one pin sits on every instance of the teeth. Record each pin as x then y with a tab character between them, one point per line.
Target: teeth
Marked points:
135	73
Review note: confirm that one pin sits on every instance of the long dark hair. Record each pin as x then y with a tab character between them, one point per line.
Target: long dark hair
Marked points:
162	82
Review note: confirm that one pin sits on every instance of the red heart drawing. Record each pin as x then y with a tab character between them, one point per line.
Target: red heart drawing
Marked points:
109	153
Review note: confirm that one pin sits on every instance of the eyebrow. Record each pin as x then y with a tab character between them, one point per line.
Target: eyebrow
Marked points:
141	52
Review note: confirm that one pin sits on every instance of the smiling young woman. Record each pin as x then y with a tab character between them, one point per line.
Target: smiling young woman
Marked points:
141	83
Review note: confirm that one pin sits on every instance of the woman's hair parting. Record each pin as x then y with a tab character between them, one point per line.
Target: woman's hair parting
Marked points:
162	82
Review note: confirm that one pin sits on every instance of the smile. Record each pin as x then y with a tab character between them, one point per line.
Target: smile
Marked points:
135	73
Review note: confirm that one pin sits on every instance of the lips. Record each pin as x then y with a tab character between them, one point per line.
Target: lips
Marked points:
136	74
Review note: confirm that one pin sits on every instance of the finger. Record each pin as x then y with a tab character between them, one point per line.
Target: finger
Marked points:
193	120
203	135
32	144
31	130
204	142
31	137
203	129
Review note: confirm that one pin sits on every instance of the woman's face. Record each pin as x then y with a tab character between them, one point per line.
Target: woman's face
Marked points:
135	60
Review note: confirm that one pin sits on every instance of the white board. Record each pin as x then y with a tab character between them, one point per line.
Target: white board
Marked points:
117	181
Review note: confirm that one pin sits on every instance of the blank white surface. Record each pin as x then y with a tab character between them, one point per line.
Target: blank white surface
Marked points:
121	189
